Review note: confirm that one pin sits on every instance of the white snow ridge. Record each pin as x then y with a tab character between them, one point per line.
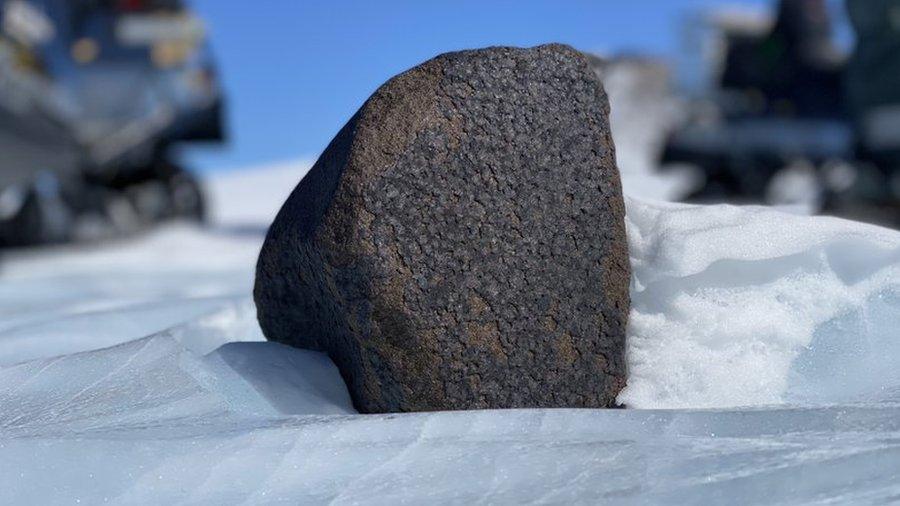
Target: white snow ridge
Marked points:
135	373
743	306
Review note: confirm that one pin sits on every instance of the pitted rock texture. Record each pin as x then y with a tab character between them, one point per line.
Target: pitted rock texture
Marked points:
461	243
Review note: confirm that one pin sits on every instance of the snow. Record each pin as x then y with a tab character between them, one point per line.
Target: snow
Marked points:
745	306
643	112
135	373
158	380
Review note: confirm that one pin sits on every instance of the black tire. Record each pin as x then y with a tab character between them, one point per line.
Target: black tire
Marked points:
162	191
187	197
41	219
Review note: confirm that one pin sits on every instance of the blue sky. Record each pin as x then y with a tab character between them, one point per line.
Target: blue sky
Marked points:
296	70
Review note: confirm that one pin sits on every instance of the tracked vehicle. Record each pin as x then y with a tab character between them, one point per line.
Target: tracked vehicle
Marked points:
792	118
94	94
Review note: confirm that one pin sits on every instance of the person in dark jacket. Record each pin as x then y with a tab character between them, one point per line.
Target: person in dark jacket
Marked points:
795	67
873	78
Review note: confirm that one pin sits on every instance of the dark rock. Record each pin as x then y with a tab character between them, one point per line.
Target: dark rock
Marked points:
461	243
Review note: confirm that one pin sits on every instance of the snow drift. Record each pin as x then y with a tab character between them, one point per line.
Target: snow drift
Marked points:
751	306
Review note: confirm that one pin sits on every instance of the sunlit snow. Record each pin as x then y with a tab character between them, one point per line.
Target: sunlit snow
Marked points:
135	373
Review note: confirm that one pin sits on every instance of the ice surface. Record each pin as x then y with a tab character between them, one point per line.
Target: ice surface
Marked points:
89	330
844	455
157	382
130	380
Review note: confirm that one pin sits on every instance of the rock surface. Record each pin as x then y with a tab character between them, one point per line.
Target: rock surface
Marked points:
461	243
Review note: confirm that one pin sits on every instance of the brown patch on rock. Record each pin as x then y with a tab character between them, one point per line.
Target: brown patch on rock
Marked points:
567	352
477	305
486	336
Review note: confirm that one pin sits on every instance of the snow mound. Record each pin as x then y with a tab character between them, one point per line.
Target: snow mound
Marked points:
138	384
291	381
154	382
741	306
207	324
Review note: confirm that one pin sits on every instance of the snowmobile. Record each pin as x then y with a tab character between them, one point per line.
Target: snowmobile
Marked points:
94	94
782	126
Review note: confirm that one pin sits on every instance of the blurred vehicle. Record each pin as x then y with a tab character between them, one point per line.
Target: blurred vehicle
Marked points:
93	95
791	117
761	116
